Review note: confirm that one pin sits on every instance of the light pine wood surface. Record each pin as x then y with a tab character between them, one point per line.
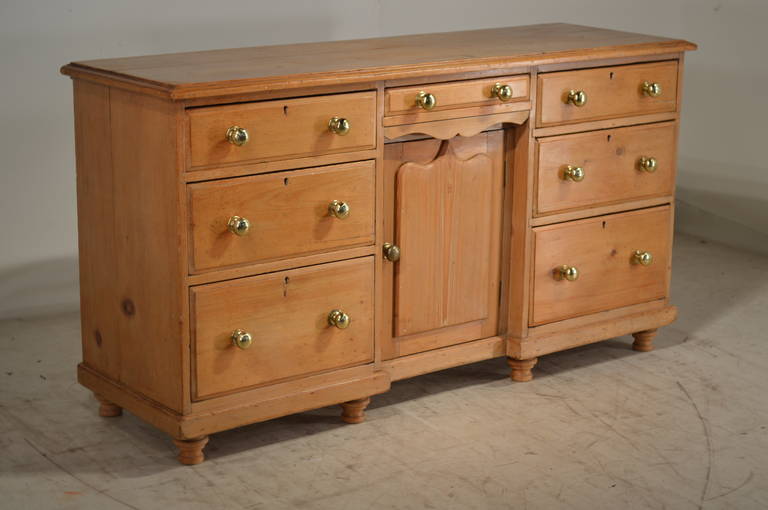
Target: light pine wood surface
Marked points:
601	249
453	95
470	192
287	212
610	161
233	71
611	92
286	314
281	129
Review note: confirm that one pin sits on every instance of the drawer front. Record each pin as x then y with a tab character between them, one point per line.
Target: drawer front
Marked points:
286	315
602	251
616	165
452	95
290	128
288	214
610	92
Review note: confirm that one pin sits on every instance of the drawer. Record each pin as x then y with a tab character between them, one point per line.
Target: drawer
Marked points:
289	128
286	315
454	95
287	214
602	250
609	92
616	165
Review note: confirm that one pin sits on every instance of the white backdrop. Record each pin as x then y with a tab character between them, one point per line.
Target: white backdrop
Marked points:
723	174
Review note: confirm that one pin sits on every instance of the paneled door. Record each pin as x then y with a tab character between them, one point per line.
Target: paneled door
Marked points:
444	214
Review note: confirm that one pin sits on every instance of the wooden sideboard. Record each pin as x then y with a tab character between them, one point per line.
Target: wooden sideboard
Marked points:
264	231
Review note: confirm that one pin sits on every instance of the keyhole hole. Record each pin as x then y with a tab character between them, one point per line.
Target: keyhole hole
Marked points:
610	137
611	75
285	183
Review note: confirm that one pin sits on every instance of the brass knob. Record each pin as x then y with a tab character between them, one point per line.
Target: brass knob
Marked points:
647	164
651	89
391	252
574	173
237	136
339	209
426	100
564	272
339	319
502	91
339	126
577	97
644	258
241	339
238	226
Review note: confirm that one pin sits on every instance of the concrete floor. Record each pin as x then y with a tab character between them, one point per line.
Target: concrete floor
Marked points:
685	426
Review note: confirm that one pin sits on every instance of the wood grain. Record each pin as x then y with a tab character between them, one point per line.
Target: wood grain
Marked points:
414	365
447	129
287	315
601	248
447	220
569	337
288	215
290	128
227	72
453	95
129	225
610	162
611	92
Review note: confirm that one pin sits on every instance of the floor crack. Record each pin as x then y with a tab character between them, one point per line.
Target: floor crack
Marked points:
709	443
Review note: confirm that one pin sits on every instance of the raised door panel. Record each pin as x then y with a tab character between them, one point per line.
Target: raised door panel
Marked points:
446	219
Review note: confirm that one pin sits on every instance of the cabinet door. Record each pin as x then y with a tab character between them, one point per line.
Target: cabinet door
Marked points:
444	213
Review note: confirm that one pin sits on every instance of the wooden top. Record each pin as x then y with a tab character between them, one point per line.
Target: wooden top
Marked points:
223	72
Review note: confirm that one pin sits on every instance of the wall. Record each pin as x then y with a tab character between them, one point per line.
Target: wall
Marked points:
723	174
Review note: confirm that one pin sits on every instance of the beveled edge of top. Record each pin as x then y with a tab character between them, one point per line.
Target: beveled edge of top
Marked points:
99	70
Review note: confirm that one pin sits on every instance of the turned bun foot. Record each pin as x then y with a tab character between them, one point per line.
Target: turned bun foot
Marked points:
521	369
644	340
354	410
191	450
106	408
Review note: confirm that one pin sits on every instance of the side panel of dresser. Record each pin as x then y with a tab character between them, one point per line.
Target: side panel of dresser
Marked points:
133	300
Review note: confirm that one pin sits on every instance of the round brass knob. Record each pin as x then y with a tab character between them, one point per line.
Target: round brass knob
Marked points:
426	100
339	319
647	164
339	209
644	258
339	126
391	252
237	136
577	97
241	339
574	173
565	272
502	91
238	226
651	89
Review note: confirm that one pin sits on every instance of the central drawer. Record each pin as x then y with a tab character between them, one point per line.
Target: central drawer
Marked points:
607	270
286	315
456	95
278	215
283	129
